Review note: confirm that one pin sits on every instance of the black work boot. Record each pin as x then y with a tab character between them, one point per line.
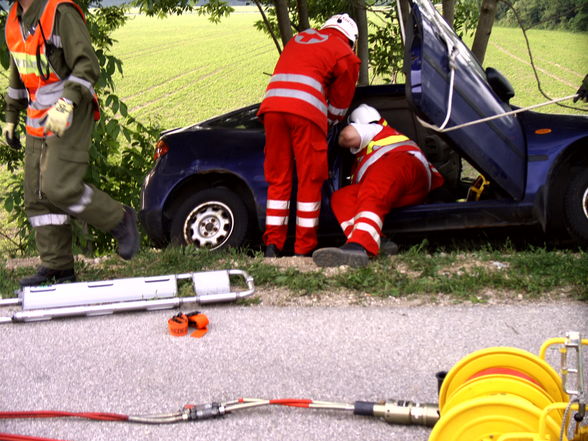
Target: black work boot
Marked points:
352	254
48	276
388	248
271	251
127	235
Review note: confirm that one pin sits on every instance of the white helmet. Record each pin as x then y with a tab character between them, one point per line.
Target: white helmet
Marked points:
364	114
344	24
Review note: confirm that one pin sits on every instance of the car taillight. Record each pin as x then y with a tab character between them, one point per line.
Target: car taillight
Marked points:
161	149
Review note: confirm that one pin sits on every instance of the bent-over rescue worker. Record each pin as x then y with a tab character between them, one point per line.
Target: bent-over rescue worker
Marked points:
312	85
53	68
390	171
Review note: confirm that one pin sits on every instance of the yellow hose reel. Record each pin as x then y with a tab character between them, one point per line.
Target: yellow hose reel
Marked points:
508	394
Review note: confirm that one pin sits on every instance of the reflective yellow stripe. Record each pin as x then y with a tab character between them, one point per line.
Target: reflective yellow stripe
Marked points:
382	150
27	63
393	139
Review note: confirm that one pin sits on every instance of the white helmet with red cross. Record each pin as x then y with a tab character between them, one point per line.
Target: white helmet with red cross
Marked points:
344	24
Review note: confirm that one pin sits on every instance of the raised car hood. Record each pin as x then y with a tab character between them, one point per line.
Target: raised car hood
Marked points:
496	148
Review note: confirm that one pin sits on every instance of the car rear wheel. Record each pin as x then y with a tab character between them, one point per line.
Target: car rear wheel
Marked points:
576	205
214	218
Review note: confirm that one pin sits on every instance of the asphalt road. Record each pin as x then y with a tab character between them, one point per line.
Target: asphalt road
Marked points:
128	363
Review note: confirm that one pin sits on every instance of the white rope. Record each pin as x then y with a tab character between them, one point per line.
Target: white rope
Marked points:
452	66
490	118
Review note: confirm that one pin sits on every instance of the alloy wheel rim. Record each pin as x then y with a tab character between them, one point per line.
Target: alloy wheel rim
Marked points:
209	225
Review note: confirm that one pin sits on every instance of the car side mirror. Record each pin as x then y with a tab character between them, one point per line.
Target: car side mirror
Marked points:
499	84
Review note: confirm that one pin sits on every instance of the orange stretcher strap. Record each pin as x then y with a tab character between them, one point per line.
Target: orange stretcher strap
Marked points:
200	321
179	323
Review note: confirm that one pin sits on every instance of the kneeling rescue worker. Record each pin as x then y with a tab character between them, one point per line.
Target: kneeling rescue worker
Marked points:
390	171
53	68
312	85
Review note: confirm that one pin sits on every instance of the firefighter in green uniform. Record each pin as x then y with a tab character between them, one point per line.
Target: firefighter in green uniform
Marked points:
53	68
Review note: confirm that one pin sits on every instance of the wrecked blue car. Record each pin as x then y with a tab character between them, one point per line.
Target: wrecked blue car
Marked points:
207	187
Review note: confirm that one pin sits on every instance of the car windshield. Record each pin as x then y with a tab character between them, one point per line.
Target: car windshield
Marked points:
446	34
245	118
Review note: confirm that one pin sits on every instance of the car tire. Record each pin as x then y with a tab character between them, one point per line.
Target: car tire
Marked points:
576	206
213	218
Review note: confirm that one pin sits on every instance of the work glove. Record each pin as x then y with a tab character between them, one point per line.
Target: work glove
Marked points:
582	93
59	117
9	135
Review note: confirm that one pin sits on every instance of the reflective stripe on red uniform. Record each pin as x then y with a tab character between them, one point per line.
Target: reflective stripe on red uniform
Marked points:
396	180
391	172
42	93
315	78
288	137
387	140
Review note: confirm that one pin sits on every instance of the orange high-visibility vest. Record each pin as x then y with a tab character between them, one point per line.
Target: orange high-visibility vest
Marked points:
30	55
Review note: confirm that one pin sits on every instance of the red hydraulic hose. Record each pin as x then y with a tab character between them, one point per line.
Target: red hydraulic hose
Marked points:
100	416
13	437
293	402
54	414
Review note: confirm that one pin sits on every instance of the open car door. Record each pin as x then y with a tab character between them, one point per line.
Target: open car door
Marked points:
496	148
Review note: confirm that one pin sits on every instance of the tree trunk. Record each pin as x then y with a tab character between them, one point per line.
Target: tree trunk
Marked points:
484	29
304	22
449	11
360	15
283	20
269	28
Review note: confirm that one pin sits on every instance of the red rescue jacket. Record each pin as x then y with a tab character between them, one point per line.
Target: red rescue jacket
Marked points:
314	78
43	90
386	141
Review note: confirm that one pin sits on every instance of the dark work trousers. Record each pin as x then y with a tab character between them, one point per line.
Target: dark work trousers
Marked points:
54	189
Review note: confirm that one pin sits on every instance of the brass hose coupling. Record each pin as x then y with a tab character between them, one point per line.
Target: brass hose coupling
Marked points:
400	412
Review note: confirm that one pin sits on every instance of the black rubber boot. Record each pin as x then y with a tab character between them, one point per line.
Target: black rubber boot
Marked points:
127	234
271	251
388	248
351	254
48	276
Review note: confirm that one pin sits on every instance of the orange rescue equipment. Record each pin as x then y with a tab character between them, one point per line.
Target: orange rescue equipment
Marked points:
31	56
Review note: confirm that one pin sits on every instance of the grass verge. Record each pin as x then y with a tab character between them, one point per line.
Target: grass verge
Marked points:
533	273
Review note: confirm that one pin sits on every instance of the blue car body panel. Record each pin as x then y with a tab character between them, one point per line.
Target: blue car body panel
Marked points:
497	146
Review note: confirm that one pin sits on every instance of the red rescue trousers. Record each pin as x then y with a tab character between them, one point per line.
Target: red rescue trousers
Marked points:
395	180
292	141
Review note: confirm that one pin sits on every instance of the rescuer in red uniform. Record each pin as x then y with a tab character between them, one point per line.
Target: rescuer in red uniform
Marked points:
312	86
390	171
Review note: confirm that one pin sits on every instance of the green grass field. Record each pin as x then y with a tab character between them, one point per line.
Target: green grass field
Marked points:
560	57
185	69
180	70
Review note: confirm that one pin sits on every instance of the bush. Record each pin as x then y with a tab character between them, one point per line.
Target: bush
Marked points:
121	150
